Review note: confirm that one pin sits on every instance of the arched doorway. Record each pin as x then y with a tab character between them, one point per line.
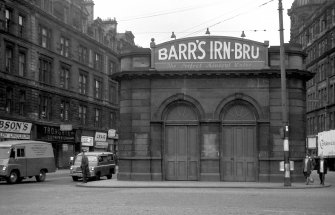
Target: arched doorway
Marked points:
181	149
238	147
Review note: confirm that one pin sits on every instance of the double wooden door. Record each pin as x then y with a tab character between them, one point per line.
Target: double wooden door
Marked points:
181	153
238	155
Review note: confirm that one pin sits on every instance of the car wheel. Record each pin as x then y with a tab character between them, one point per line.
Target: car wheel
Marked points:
75	178
109	176
41	177
13	177
97	177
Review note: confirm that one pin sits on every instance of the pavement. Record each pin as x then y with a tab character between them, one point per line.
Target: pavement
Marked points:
114	183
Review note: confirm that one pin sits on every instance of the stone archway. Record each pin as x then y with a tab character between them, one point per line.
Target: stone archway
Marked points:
238	146
181	148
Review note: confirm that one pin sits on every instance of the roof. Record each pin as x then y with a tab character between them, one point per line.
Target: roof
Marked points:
17	142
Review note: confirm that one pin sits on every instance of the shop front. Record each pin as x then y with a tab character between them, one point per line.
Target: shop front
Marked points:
63	143
208	109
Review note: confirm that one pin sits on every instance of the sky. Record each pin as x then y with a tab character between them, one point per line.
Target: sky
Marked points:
146	19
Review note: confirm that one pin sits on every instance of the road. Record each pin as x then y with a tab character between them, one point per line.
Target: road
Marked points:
60	195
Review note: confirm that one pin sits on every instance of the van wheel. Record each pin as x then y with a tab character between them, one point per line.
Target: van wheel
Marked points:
13	177
75	178
109	176
41	177
97	177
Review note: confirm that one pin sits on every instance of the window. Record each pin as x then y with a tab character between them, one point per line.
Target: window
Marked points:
97	120
9	53
82	114
64	46
8	19
20	152
22	63
112	120
113	94
45	67
111	67
64	110
22	102
9	100
45	37
98	89
44	107
83	54
97	61
64	76
82	83
21	24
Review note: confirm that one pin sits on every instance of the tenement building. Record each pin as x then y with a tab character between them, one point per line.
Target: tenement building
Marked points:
55	62
209	108
313	27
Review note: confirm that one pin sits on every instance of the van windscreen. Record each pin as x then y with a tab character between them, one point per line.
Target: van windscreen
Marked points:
4	152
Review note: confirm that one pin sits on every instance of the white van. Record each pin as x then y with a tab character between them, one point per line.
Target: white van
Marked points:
25	158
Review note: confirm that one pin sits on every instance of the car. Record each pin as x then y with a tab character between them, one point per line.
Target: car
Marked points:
100	164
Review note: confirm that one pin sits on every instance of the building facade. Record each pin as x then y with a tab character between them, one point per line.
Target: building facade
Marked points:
55	62
313	26
209	109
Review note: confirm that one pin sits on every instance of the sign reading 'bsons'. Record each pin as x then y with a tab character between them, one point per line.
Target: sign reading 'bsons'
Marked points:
210	53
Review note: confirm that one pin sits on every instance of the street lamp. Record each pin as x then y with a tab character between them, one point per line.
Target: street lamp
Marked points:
287	173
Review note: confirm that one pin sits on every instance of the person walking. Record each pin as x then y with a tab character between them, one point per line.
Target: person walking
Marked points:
84	166
309	164
322	170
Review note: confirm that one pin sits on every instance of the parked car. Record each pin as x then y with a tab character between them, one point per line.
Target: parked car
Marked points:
20	159
100	164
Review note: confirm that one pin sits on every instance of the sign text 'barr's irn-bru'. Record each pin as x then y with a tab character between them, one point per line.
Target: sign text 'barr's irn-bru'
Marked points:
210	53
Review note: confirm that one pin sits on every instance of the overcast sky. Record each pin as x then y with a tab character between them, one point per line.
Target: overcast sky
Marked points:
147	19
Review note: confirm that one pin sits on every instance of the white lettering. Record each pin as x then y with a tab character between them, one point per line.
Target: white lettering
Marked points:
217	49
173	53
192	47
162	54
182	51
246	50
254	56
201	50
226	50
238	51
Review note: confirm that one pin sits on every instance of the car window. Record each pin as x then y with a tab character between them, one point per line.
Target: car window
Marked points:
92	160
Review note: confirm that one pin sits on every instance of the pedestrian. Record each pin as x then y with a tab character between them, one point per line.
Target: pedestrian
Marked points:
322	170
84	166
309	164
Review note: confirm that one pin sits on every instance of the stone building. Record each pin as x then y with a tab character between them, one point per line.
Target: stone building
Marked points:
209	109
313	27
55	62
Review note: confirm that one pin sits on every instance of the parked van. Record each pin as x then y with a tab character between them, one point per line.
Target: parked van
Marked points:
26	158
100	164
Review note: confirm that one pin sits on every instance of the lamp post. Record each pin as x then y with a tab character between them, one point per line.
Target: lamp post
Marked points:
287	173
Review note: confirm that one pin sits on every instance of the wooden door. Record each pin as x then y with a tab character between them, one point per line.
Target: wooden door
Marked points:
238	162
181	153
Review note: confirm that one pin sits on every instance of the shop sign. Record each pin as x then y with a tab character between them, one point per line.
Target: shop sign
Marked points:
86	141
15	126
65	127
210	53
326	143
53	133
101	144
100	136
111	133
311	142
14	136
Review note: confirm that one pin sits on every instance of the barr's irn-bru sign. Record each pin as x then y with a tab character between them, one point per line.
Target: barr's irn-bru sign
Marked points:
210	53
